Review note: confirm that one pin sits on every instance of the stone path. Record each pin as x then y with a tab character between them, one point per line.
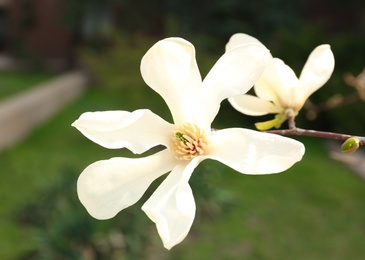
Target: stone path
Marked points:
19	114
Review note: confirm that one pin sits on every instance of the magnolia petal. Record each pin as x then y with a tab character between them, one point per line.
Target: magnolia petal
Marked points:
233	74
108	186
253	106
172	205
239	39
316	71
277	83
169	68
138	131
253	152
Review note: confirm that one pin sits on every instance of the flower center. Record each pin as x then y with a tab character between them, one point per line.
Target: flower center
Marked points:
189	141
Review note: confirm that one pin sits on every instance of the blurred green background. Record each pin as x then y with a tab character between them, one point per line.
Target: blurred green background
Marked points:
315	210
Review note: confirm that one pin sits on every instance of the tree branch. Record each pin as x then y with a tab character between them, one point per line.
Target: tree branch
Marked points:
313	133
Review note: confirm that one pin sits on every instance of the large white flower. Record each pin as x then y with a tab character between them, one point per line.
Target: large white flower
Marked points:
278	90
169	67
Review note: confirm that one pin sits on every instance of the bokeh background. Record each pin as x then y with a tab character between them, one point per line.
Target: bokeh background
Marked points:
315	210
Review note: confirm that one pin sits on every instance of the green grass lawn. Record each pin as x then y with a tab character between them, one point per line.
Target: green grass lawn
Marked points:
315	210
12	82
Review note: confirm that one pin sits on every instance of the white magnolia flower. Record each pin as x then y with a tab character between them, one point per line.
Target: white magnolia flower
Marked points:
169	67
278	90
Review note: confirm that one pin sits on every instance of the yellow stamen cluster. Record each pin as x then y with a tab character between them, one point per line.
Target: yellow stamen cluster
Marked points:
188	142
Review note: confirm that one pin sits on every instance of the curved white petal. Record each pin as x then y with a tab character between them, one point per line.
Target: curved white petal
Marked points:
239	39
253	106
138	131
169	67
233	74
277	83
106	187
172	205
316	71
253	152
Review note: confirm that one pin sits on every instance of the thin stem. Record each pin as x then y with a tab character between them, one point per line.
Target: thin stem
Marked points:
313	133
291	122
334	102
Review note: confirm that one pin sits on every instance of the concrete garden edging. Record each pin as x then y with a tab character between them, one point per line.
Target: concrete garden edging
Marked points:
19	114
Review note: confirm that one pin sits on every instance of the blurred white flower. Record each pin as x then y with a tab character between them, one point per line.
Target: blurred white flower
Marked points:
278	90
169	67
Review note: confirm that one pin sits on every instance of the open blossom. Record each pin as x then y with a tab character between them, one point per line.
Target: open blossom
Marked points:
278	90
108	186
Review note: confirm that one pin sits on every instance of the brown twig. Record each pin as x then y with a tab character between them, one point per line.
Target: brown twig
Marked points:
338	100
314	133
295	131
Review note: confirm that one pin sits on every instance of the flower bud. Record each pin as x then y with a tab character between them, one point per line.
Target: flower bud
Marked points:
350	145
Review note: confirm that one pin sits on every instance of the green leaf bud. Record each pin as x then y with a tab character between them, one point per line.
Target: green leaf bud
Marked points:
350	145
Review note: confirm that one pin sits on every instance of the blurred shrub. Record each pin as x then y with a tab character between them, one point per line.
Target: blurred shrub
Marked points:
116	67
63	229
220	19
